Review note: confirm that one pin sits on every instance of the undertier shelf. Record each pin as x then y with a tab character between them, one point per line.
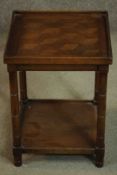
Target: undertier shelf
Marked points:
59	127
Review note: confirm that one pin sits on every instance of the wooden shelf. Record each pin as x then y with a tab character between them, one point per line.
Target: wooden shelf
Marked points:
59	127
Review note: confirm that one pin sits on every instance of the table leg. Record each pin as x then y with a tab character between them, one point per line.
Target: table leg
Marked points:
96	86
101	107
23	86
15	117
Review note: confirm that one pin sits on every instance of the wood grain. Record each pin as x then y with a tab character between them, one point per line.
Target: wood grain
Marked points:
59	126
58	38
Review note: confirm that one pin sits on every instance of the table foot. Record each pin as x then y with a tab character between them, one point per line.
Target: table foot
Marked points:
18	162
99	158
17	157
99	164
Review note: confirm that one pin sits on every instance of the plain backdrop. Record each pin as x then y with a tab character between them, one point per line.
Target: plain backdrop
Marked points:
72	85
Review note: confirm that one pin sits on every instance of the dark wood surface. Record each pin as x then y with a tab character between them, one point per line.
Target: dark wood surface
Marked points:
60	41
59	126
59	38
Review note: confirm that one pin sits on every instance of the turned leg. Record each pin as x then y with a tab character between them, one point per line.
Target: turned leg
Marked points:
101	110
96	86
23	86
15	117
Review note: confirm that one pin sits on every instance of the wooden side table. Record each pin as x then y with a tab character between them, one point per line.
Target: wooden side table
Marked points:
58	41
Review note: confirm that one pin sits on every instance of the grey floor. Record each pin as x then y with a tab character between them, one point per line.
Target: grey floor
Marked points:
58	85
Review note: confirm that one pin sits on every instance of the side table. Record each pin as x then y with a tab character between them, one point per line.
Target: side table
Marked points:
58	41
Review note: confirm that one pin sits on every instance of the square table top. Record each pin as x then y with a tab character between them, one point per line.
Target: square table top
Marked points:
58	38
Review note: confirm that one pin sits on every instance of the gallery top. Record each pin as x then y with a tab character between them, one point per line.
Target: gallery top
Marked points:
59	38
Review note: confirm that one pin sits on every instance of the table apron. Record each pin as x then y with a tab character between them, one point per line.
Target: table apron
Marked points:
26	67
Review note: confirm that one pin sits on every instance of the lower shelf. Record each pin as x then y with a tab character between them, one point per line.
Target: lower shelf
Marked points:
59	127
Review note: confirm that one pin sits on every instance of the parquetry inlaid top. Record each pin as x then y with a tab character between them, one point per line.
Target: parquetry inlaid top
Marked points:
59	38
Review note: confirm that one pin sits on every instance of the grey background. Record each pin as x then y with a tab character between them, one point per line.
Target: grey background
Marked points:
71	85
7	6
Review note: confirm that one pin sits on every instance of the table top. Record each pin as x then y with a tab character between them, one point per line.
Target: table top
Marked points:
58	38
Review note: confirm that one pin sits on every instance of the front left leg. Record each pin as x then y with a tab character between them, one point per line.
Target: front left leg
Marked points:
15	118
